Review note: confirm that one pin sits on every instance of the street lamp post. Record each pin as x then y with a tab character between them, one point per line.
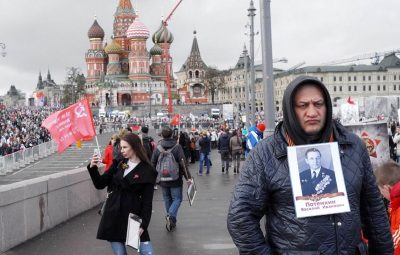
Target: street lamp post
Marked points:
3	46
237	101
251	14
149	91
268	80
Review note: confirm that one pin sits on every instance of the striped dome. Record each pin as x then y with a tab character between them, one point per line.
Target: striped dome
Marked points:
156	50
113	48
161	34
95	31
137	30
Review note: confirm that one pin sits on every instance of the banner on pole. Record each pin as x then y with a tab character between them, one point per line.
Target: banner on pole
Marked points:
71	124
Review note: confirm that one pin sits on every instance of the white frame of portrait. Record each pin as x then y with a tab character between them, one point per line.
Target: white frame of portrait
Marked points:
323	204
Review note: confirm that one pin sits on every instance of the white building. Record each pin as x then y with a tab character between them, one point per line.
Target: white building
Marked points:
356	81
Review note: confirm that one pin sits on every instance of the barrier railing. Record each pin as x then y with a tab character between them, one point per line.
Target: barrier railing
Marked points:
16	160
22	158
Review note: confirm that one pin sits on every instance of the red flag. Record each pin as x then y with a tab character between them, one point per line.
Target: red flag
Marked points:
350	100
175	120
71	124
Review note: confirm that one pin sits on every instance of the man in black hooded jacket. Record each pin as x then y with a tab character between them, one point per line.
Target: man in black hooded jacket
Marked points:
264	187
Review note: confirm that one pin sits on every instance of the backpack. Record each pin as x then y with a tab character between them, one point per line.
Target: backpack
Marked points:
149	146
167	167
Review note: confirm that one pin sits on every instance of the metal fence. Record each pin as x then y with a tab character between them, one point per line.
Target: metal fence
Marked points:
25	157
22	158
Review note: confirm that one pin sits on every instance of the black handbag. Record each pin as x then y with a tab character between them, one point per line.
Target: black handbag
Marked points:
103	205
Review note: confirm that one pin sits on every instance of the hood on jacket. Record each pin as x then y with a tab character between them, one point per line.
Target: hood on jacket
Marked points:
167	143
290	121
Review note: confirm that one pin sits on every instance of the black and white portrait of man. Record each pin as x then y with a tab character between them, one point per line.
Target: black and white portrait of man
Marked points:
316	179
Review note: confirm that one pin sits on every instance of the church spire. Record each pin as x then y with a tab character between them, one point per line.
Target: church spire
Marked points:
40	82
123	18
195	46
125	4
48	75
194	60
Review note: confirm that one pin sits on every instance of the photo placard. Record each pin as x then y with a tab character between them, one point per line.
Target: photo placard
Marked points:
317	180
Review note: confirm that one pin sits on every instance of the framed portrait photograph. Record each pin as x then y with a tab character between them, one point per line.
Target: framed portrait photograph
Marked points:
317	180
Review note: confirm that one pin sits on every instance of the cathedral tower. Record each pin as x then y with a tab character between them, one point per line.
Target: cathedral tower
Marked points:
163	37
96	58
138	56
123	18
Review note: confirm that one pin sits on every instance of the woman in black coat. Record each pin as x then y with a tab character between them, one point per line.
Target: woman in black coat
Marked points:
131	185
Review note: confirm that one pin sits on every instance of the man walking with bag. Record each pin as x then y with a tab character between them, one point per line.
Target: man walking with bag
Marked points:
169	160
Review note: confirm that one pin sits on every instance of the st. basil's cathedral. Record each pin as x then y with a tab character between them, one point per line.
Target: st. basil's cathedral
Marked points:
123	72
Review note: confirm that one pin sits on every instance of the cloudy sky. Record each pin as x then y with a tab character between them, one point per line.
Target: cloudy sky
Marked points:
52	34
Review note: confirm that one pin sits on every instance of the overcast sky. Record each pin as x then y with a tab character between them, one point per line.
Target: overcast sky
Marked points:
52	34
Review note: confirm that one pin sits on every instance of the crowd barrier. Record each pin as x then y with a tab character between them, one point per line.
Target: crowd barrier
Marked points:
115	127
21	158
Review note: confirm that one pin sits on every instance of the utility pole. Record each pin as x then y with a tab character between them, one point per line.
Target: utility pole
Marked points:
251	14
3	46
150	99
237	122
268	80
246	87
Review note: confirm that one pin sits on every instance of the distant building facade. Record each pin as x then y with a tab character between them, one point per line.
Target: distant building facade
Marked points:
124	72
47	92
356	81
190	78
14	97
382	79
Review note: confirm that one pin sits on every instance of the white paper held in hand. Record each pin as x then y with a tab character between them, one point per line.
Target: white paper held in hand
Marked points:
132	233
191	192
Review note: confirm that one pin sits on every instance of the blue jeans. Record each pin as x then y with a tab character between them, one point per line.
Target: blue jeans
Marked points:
204	156
120	249
172	199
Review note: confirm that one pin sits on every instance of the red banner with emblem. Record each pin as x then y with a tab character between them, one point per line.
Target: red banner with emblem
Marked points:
71	124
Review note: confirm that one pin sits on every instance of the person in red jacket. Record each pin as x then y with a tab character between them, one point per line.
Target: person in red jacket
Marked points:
108	158
388	180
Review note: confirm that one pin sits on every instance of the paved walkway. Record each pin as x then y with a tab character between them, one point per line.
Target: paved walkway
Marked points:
201	228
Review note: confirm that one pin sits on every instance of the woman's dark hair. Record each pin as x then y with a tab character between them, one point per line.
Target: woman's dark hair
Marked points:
234	132
136	144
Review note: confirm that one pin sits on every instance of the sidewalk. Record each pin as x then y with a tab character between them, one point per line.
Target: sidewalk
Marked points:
201	229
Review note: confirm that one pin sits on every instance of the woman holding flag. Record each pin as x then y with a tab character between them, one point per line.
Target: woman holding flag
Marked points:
131	183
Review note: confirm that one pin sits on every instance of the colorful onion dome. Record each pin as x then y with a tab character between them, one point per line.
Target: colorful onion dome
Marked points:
95	31
113	48
156	50
162	35
137	30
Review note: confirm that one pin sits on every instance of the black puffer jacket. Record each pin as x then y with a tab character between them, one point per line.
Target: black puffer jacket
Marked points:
264	188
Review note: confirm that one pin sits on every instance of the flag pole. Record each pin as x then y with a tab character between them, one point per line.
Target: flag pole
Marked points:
98	146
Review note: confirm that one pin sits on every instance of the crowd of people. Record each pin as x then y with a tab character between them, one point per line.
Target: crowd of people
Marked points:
169	158
136	164
20	128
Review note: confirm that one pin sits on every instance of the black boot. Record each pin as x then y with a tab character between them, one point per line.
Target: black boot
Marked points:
223	169
234	170
227	170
